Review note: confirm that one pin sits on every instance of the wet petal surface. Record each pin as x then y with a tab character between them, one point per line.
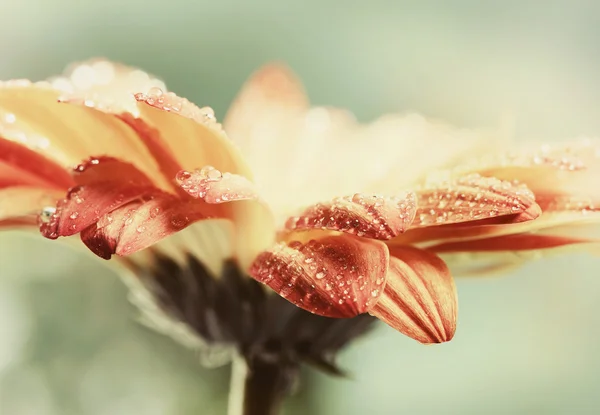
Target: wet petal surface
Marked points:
370	216
333	276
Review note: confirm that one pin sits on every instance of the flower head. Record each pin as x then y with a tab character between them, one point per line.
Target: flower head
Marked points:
339	218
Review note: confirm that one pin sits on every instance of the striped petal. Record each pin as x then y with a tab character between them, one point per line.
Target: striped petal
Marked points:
22	166
335	276
370	216
67	133
474	198
102	185
140	224
419	298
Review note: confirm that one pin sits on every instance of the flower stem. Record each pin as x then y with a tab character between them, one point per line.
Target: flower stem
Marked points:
259	386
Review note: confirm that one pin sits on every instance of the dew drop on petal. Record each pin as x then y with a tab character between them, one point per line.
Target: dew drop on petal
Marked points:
46	214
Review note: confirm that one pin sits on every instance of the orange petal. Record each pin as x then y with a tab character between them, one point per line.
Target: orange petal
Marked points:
519	242
334	276
193	137
140	223
102	184
68	133
551	172
374	217
190	133
20	165
212	186
473	198
419	299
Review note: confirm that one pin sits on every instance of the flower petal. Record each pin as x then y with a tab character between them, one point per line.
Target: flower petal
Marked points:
568	170
472	198
335	276
23	204
212	186
419	298
373	216
519	242
102	185
22	166
190	133
140	223
272	96
32	115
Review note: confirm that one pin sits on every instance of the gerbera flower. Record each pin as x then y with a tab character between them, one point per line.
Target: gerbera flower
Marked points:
341	219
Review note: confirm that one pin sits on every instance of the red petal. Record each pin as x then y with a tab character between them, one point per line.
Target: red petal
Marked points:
334	276
370	216
563	171
474	198
212	186
22	166
167	163
103	184
520	242
141	223
65	133
190	133
419	299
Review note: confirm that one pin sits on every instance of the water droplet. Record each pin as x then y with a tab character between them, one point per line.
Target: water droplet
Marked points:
47	213
183	176
211	173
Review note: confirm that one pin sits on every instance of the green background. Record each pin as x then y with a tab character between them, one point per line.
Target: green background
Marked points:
526	343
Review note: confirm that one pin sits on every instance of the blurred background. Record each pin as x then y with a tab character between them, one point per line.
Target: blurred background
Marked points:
527	343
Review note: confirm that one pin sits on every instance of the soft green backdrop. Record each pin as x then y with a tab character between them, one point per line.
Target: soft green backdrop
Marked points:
526	343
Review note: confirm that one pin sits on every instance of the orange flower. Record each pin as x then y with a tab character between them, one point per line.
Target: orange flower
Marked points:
339	218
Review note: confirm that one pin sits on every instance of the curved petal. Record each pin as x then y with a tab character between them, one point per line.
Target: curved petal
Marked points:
22	166
370	216
335	276
212	186
419	298
519	242
140	223
190	133
568	170
472	198
68	133
102	185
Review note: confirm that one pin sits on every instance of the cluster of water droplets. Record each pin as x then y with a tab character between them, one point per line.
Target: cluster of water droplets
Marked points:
372	216
168	101
103	85
472	197
583	204
573	156
198	182
213	186
320	277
